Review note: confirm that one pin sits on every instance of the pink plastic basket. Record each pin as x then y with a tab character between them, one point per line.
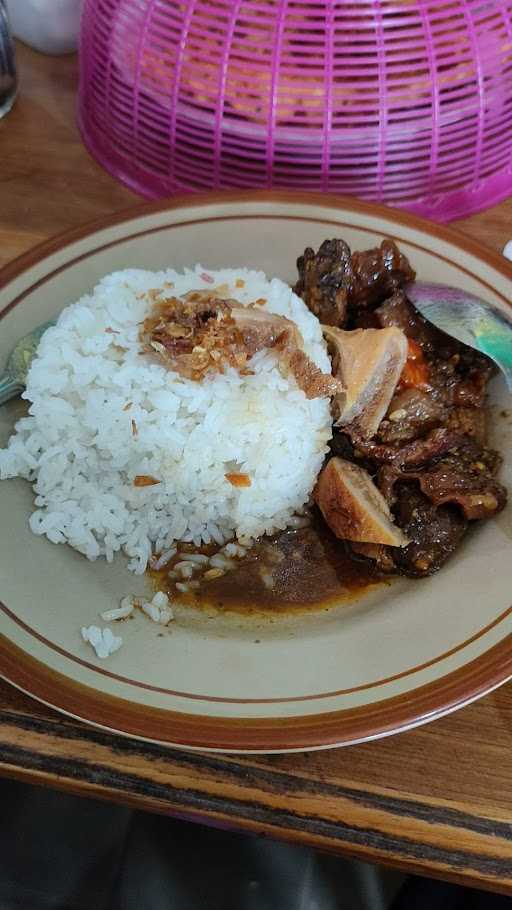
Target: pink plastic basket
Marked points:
407	102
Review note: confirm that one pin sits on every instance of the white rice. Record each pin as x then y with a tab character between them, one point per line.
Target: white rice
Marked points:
103	641
102	413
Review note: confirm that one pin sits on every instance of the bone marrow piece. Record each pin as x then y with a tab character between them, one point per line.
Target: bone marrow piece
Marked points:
353	507
368	363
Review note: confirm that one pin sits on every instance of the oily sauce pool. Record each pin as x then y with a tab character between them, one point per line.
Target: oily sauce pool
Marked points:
293	571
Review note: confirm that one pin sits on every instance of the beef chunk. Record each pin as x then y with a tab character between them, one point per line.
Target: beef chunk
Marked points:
415	453
378	273
434	532
336	285
399	312
460	381
464	477
412	413
325	279
458	375
469	422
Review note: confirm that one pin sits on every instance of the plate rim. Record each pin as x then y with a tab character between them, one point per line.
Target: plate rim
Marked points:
213	732
40	251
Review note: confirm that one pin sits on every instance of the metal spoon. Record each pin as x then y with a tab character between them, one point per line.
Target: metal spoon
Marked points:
13	380
468	319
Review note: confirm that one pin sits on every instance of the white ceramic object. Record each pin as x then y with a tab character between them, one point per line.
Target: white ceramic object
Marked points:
49	26
399	656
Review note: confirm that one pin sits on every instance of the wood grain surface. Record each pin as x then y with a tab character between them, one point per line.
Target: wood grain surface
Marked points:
437	800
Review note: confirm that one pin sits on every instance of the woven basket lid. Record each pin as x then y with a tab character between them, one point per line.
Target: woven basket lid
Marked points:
407	102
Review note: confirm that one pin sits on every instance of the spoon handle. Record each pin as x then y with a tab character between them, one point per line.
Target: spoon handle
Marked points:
9	387
493	336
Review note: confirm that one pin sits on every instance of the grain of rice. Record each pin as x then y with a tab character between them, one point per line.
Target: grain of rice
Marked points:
158	562
230	549
213	573
152	611
102	640
198	558
185	564
186	569
221	562
165	616
117	613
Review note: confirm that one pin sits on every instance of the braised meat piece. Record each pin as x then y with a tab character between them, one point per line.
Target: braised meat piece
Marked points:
412	413
443	383
378	273
460	381
399	313
465	477
469	422
335	284
457	374
418	452
325	280
434	532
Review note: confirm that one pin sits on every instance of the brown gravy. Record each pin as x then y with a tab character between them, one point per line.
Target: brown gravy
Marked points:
293	571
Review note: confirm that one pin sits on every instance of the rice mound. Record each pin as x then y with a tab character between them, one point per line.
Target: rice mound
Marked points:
101	414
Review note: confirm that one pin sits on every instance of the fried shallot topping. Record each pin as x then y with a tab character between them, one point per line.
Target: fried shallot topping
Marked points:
194	334
201	332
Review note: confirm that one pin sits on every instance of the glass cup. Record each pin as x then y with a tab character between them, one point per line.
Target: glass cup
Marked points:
8	81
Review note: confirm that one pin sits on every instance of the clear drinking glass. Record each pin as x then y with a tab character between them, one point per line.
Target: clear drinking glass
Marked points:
8	81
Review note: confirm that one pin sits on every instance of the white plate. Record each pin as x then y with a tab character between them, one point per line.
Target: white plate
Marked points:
400	656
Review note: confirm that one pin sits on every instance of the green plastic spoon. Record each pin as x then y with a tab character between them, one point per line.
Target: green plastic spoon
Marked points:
13	380
468	319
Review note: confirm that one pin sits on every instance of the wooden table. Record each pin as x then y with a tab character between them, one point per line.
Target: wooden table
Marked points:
437	800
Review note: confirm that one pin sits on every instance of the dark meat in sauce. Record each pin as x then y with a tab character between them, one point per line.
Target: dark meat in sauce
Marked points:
378	273
325	279
464	477
434	532
336	284
428	456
